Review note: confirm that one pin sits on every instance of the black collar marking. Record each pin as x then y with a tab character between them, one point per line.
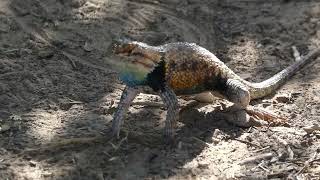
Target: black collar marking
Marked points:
156	78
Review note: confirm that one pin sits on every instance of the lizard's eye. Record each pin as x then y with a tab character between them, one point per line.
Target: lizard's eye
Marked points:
136	53
125	49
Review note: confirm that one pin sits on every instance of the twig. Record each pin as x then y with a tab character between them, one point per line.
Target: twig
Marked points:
263	168
201	141
265	115
116	147
307	164
262	149
311	129
247	142
7	51
149	140
296	53
64	143
70	58
315	160
256	158
281	174
148	103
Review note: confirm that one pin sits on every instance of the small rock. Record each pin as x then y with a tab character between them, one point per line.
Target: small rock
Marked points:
4	114
21	11
75	3
205	97
180	145
32	163
87	46
48	53
164	174
46	174
217	135
15	117
4	28
203	165
113	158
264	105
56	23
67	105
311	129
4	166
306	143
282	98
4	127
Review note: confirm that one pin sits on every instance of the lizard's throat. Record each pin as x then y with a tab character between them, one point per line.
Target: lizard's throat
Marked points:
133	75
154	79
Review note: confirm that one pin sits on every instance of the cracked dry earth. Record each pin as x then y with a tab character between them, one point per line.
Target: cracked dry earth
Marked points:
58	90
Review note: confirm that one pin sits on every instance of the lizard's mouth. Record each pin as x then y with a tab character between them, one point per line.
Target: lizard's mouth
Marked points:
136	58
132	54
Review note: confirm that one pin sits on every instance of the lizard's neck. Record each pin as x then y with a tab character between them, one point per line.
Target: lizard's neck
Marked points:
154	53
156	78
132	75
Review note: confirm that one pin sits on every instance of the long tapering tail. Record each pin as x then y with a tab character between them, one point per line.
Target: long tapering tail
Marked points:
264	88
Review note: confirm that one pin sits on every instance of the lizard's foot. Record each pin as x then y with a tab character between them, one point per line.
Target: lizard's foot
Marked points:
127	97
169	134
170	100
252	116
241	118
115	130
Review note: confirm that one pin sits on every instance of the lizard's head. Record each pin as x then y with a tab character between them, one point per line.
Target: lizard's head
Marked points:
135	61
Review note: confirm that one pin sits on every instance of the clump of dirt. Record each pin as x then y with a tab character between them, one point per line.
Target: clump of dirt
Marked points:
58	90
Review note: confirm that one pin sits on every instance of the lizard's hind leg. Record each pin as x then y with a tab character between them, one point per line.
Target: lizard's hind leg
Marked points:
238	93
128	94
171	102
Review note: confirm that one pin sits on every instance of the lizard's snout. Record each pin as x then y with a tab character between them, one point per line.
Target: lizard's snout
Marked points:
122	47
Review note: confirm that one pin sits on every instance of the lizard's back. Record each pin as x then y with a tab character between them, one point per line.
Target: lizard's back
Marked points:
192	69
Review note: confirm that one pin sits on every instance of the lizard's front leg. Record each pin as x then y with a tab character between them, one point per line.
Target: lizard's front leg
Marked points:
171	102
128	94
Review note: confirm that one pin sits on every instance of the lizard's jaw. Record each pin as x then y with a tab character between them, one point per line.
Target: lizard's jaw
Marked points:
133	70
138	62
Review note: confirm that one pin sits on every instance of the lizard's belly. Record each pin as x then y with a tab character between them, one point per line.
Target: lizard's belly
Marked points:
187	82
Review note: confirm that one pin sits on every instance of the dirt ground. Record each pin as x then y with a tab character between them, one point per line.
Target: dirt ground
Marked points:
58	90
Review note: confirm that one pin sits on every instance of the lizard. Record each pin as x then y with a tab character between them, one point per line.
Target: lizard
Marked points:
182	68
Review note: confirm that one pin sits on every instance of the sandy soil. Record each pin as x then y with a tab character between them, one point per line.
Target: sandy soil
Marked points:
58	90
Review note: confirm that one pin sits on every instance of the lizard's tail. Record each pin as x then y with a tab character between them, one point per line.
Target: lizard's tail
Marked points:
264	88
